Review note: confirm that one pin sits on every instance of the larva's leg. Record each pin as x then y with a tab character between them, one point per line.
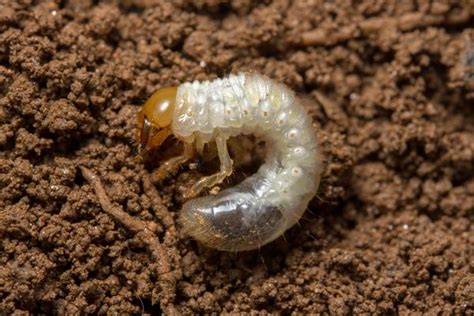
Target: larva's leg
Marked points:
170	166
212	180
199	146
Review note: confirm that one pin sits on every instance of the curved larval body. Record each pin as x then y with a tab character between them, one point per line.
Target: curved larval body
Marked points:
264	205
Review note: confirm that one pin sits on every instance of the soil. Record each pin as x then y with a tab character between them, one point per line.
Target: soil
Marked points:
390	85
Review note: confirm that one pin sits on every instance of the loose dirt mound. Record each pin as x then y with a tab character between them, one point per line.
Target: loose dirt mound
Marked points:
389	84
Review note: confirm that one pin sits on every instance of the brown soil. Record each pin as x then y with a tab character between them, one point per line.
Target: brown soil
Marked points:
390	85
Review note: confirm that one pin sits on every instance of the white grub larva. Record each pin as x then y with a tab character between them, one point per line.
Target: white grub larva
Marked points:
264	205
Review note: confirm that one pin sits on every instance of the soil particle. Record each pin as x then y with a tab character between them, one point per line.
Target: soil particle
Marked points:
389	84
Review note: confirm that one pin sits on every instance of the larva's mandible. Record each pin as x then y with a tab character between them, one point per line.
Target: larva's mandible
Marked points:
264	205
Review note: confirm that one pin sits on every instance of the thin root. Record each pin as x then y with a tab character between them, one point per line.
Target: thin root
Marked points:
146	232
160	210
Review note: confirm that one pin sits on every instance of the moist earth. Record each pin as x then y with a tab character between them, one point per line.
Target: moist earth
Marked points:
389	84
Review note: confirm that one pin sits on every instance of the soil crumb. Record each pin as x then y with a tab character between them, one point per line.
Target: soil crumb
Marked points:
390	85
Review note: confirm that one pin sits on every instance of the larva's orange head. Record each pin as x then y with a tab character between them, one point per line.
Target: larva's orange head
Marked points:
156	117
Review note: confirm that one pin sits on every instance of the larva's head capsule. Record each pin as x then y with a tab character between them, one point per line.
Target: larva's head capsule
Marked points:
156	117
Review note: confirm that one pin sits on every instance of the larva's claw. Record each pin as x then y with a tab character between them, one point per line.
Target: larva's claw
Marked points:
160	175
206	183
197	188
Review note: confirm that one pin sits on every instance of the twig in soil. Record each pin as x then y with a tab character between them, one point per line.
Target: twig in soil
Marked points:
160	210
332	109
145	231
407	22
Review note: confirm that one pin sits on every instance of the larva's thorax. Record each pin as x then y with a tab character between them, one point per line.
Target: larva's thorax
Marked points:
204	108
